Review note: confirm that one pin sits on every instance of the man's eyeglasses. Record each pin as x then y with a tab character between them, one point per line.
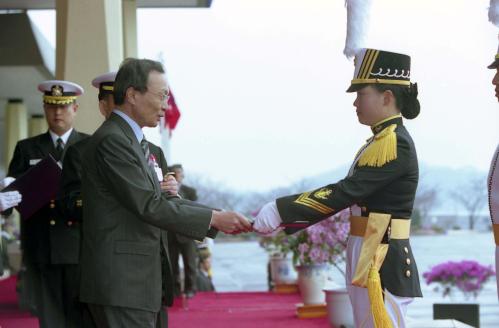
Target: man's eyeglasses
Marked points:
163	95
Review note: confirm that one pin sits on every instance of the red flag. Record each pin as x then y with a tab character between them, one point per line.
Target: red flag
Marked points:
172	114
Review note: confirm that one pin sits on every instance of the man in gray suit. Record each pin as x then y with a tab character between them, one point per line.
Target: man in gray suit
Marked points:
125	209
71	202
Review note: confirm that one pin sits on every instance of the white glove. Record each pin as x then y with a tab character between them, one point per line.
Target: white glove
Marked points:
6	181
9	199
268	219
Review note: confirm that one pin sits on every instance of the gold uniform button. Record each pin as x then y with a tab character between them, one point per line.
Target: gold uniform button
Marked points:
52	222
406	250
408	261
52	205
408	273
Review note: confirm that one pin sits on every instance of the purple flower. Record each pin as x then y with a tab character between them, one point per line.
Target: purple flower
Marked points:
467	276
324	242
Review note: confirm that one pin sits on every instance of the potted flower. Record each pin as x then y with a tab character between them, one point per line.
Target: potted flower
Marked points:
281	269
465	276
313	249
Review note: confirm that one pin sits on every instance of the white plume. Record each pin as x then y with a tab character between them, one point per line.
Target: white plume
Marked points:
357	25
494	12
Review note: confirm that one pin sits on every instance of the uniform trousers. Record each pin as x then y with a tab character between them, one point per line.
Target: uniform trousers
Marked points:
497	269
396	306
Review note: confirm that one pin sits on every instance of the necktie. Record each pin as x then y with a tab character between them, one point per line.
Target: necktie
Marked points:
59	149
145	148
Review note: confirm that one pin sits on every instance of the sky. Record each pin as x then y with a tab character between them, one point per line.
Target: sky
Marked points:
261	84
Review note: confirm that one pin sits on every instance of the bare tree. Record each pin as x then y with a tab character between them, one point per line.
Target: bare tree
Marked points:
426	199
215	194
472	197
218	195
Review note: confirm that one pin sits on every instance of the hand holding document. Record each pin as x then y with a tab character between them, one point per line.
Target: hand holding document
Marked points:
230	222
9	199
268	219
38	186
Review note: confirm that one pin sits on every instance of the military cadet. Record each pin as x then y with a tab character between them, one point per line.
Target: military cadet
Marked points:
43	234
493	179
71	177
379	189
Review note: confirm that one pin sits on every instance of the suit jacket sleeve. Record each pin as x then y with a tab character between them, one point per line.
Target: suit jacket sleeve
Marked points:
321	203
119	166
212	232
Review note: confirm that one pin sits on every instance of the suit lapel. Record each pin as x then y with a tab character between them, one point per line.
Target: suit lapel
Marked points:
136	147
73	138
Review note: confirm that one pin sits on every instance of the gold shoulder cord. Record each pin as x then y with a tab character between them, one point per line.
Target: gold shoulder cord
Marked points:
382	150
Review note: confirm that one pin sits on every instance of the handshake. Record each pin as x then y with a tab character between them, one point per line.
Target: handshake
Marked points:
267	221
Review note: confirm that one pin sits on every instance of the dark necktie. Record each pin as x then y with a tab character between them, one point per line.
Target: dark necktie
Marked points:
59	149
145	148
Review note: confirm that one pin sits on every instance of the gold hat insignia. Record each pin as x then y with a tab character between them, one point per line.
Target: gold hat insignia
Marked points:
57	91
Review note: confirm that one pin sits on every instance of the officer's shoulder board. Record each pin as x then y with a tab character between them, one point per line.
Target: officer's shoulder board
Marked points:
382	149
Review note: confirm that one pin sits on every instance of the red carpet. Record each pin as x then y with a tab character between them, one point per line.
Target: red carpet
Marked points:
10	315
241	310
207	310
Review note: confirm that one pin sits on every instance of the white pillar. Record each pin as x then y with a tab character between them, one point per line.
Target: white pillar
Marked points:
89	43
37	125
130	28
16	127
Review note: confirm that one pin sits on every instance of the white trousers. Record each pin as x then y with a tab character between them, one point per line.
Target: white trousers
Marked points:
396	306
497	270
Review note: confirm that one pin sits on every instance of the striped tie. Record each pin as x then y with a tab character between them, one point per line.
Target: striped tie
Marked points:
59	149
145	148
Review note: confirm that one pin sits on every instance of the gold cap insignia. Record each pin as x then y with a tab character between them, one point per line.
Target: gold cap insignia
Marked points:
57	91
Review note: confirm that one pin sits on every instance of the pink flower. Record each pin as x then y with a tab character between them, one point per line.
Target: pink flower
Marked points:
324	242
467	276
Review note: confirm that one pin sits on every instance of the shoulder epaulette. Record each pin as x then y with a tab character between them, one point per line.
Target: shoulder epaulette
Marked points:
383	148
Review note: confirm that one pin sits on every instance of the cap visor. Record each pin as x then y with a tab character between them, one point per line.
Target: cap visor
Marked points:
356	87
494	65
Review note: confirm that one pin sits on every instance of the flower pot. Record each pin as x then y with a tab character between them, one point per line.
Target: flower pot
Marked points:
311	282
282	270
339	308
465	312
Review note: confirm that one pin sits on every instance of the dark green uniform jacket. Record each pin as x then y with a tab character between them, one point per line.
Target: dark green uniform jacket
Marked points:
385	188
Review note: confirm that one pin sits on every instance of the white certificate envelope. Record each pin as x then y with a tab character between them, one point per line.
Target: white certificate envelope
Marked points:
159	173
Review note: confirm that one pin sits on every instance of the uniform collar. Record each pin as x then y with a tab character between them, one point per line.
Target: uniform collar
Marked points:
64	137
378	127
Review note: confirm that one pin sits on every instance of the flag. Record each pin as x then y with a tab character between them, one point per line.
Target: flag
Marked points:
168	123
172	114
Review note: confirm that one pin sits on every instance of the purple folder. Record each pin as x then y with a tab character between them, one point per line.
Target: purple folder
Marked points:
38	186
